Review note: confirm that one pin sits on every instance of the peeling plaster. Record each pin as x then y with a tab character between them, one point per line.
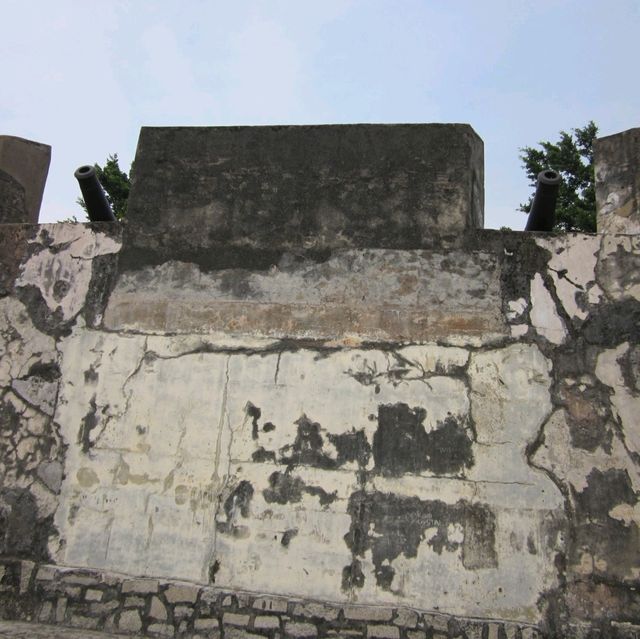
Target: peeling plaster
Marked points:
61	266
544	316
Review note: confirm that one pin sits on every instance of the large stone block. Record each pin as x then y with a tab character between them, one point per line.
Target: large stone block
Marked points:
617	167
224	193
24	166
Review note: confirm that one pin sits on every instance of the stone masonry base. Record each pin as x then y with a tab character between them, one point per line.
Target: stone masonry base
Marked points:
94	600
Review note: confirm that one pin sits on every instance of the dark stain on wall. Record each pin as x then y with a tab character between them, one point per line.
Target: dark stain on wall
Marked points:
287	536
88	424
352	576
613	540
588	415
254	412
261	455
307	447
235	505
351	447
611	324
22	534
391	525
287	489
401	444
629	364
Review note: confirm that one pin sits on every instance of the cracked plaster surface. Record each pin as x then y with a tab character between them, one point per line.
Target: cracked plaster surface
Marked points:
171	438
161	436
61	268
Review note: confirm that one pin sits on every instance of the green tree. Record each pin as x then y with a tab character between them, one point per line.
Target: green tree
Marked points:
116	184
572	158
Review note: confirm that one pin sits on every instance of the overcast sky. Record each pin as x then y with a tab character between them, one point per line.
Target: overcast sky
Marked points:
84	76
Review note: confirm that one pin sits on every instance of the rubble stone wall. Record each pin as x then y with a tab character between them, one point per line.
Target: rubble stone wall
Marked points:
448	432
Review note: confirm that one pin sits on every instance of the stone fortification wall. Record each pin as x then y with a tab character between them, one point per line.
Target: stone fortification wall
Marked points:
252	420
457	433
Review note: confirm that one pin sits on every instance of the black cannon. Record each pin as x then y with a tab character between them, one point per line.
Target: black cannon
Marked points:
542	215
94	196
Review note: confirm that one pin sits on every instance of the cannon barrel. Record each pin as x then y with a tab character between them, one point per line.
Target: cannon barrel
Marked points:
94	196
542	215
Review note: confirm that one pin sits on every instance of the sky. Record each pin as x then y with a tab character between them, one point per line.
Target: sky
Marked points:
83	76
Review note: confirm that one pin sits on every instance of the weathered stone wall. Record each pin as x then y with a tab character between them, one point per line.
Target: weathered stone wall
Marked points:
617	182
452	431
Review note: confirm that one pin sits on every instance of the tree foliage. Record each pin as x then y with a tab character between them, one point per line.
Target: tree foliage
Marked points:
116	184
572	158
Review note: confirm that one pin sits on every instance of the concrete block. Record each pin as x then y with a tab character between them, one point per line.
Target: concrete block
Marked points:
24	165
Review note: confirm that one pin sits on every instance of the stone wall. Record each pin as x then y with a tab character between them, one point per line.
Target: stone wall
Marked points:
448	431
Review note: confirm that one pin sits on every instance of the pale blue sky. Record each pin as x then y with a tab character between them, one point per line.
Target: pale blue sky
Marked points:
84	76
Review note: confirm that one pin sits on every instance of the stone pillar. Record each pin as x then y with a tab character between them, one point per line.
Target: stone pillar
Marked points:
617	168
24	165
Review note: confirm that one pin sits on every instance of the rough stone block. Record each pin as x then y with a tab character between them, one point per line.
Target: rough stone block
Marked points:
383	632
617	169
266	622
493	631
205	624
157	609
80	578
182	594
134	602
182	611
61	609
45	612
362	613
26	571
46	573
235	619
103	608
93	595
141	586
406	618
271	604
247	189
130	621
161	629
86	623
320	611
239	633
24	165
295	629
437	622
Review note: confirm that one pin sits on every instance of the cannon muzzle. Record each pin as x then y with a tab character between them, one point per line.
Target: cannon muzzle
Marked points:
94	196
542	215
